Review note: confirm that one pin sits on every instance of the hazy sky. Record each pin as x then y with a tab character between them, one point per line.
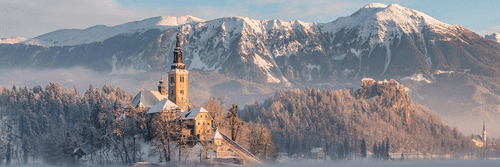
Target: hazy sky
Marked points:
30	18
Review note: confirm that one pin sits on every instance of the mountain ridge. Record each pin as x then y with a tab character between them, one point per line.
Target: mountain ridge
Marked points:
378	41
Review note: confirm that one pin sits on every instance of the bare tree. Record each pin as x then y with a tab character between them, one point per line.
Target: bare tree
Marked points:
235	124
164	128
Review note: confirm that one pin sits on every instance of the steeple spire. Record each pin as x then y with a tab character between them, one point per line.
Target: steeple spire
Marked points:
178	63
484	126
178	44
484	133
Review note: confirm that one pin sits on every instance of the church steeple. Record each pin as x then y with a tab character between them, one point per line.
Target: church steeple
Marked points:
178	63
484	131
178	79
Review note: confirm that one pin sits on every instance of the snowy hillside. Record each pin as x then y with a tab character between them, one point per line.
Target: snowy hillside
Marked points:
100	32
494	37
13	40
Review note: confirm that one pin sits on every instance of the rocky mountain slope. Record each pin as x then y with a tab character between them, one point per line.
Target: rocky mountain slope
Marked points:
377	41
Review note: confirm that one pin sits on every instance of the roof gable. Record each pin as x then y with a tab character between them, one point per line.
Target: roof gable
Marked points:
193	112
164	105
147	99
217	134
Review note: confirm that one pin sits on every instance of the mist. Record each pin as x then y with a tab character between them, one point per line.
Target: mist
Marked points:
134	81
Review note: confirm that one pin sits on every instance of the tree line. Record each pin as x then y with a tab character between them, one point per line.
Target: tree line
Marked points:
338	121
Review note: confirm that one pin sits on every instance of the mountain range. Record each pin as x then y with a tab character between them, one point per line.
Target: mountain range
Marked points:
377	41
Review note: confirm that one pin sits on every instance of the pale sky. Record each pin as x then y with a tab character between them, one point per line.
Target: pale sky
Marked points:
31	18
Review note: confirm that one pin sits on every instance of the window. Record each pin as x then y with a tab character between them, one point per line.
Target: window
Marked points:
182	92
205	116
208	123
181	79
198	123
172	80
172	92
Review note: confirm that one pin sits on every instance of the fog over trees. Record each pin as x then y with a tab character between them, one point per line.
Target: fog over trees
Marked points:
50	123
340	121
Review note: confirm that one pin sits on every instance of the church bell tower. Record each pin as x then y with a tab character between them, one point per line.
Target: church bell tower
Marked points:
178	79
484	132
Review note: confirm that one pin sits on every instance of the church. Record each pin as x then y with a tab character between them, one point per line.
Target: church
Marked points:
174	100
480	140
198	123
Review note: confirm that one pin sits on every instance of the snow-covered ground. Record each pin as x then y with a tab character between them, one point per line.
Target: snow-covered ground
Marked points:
412	163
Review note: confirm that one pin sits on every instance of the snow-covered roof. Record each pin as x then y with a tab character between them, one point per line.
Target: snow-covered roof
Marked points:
163	105
217	134
367	79
193	112
316	149
147	99
79	151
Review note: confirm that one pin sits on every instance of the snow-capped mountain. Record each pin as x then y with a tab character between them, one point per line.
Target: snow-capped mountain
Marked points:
377	41
13	40
100	33
494	37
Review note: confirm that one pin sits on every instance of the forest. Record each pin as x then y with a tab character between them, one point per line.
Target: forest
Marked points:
342	121
49	124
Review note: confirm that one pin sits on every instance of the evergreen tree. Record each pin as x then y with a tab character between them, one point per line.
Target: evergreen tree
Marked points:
363	148
375	151
8	154
346	147
386	151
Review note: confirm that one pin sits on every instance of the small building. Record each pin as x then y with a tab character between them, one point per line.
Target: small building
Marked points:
317	153
228	150
199	121
78	154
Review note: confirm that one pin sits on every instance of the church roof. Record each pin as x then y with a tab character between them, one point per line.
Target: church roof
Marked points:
217	135
147	99
193	112
164	105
